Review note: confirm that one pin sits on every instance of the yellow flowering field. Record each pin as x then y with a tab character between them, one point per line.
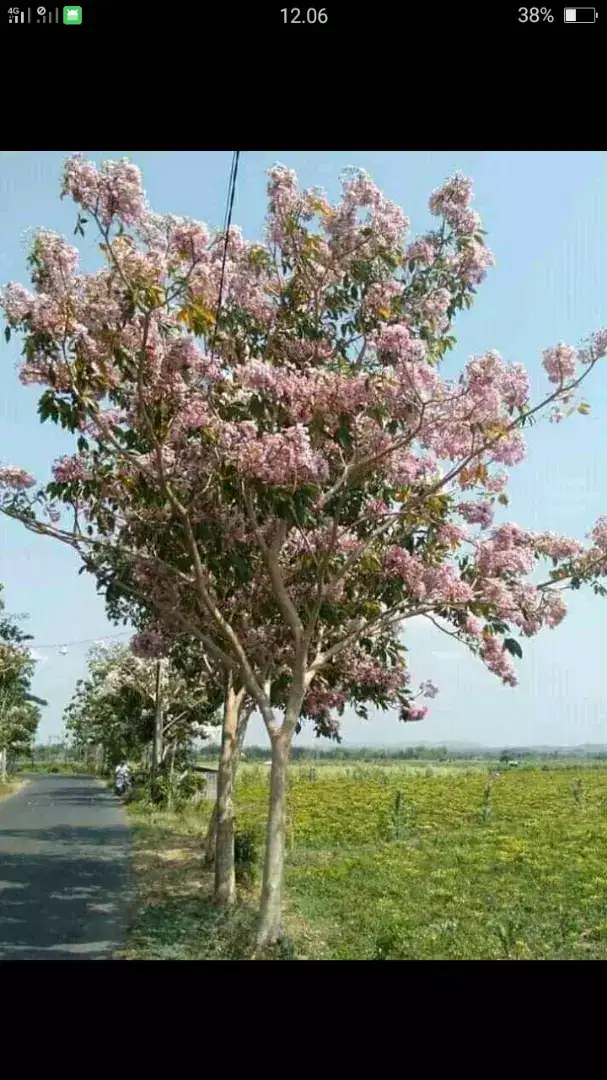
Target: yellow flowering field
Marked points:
395	864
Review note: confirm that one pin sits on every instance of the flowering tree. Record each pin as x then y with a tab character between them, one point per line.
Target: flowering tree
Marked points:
285	475
19	708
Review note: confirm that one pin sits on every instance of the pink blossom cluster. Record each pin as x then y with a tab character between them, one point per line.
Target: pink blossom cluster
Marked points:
183	354
384	223
69	470
55	263
149	645
476	512
320	700
17	302
423	251
438	583
495	482
406	468
474	262
443	585
195	414
315	392
13	477
342	541
594	347
428	689
414	712
114	190
146	268
554	608
434	309
473	626
362	670
381	295
599	533
560	363
283	199
396	342
285	459
510	550
451	535
452	201
557	547
189	241
492	381
103	421
498	660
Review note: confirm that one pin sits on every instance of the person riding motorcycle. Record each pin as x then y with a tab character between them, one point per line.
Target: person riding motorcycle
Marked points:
122	778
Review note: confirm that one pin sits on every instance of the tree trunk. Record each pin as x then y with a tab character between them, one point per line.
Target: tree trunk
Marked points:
172	774
210	843
270	912
158	731
3	764
225	877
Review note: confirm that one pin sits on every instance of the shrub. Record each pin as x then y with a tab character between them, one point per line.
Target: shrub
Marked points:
245	856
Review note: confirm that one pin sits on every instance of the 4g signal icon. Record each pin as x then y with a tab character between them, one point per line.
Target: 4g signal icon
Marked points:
72	16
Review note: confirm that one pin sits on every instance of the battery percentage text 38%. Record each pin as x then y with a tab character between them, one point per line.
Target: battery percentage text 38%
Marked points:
535	15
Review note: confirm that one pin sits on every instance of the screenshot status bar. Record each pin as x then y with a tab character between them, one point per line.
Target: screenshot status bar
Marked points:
314	26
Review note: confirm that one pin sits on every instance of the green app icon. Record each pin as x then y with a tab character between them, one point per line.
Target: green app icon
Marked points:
72	16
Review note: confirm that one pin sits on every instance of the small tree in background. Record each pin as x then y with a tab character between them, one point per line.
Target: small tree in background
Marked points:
19	708
128	705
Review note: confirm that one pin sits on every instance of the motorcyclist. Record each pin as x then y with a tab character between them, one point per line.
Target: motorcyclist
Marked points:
122	776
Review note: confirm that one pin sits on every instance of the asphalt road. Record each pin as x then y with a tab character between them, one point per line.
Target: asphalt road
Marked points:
65	882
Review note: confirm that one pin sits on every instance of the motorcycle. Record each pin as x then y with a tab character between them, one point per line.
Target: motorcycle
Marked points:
122	786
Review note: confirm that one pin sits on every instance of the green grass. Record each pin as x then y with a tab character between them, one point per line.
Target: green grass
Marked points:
395	863
57	767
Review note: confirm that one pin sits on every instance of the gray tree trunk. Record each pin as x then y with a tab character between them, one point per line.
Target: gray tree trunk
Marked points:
210	843
225	877
270	911
158	729
3	757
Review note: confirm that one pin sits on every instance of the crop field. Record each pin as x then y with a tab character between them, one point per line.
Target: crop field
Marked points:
439	862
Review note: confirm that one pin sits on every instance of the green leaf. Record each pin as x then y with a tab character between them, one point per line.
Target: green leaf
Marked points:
513	647
7	334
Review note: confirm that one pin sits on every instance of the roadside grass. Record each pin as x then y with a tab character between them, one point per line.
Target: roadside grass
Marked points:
394	864
175	918
71	768
10	787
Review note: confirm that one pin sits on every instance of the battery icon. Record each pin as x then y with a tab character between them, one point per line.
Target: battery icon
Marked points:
580	15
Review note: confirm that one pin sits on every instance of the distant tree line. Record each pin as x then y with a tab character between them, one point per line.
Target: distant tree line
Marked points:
419	753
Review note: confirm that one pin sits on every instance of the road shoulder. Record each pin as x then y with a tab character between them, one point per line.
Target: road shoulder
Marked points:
10	788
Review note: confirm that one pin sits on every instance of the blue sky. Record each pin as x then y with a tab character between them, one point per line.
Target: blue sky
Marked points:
545	214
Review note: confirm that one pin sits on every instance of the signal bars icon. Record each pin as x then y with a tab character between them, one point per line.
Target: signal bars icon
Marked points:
20	15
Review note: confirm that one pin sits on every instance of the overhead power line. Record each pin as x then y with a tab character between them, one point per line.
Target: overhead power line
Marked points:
83	641
227	225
